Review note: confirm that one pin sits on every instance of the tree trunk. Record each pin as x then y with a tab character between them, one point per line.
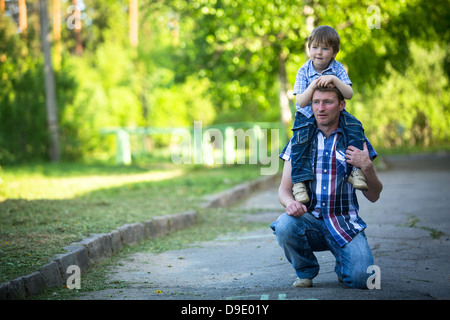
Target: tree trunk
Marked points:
285	110
77	29
133	22
50	96
57	31
23	24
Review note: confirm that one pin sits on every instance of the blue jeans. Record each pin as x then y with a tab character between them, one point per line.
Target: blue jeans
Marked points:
300	237
304	130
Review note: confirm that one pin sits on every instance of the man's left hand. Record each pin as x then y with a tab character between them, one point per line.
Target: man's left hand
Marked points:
358	158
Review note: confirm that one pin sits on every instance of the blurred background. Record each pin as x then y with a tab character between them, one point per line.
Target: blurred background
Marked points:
71	69
89	85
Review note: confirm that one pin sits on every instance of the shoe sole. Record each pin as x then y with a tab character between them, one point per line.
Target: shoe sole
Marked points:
302	284
360	186
302	199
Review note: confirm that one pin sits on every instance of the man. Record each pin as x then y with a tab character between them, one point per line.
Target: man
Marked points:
329	221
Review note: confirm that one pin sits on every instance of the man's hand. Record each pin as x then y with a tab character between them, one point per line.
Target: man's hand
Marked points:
296	209
361	159
287	200
358	158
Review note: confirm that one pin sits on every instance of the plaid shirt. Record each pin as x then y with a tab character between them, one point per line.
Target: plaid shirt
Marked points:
307	74
332	197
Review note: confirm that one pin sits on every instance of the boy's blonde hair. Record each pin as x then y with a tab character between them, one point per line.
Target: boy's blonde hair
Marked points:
325	35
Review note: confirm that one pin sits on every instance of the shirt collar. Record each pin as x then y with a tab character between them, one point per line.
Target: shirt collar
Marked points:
338	130
312	72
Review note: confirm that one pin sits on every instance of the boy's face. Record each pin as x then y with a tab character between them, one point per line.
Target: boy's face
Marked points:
321	55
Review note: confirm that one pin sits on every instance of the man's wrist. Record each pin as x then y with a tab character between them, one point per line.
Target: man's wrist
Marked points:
289	202
367	166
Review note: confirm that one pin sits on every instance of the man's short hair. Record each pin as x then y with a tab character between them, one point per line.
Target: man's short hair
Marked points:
331	89
325	35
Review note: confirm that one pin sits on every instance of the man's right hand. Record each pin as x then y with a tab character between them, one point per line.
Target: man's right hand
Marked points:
296	209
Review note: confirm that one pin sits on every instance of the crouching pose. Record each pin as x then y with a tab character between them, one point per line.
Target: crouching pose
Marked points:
330	220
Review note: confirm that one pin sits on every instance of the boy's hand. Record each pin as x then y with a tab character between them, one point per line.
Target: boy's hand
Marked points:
313	84
326	81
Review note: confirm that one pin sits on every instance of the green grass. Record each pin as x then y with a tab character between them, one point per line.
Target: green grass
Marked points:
45	207
211	223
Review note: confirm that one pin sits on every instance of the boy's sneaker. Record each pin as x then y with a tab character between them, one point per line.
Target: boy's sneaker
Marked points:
358	180
302	283
300	192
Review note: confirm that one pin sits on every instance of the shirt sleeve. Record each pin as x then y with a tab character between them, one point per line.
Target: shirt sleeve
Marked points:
301	81
372	153
285	155
342	74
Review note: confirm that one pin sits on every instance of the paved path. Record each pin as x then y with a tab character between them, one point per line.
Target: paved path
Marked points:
408	231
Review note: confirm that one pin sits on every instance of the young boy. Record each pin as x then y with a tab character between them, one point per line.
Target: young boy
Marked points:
320	71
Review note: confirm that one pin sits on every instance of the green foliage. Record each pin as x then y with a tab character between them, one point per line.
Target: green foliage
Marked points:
22	111
102	98
410	109
181	104
220	61
238	49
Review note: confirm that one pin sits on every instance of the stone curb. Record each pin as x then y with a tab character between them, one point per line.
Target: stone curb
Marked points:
239	192
101	246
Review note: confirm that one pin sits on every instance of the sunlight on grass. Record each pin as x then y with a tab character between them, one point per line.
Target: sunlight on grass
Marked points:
42	187
45	207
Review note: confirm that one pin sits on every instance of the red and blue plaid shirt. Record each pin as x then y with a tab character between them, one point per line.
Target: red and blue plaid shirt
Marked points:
333	198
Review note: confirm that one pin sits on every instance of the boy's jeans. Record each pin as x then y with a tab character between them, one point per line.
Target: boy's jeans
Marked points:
301	143
299	237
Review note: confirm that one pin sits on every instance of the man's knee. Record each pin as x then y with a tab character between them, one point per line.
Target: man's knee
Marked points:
358	259
283	226
357	276
357	280
286	227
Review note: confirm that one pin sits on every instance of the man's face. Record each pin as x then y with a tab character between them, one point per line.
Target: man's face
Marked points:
327	108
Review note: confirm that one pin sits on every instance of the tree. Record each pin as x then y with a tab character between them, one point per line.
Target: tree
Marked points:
50	95
23	23
133	22
259	45
243	50
56	14
215	60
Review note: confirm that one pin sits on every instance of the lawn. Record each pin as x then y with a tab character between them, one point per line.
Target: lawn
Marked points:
44	207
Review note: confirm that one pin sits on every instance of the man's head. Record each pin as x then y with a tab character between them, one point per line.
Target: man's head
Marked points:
327	104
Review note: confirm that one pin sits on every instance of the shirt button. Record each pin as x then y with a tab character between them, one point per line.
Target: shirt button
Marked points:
324	188
323	203
325	170
326	153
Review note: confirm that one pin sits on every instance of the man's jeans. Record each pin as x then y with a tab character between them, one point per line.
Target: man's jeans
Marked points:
302	151
299	237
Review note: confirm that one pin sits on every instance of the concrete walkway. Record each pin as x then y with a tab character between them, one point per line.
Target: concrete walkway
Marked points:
408	231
